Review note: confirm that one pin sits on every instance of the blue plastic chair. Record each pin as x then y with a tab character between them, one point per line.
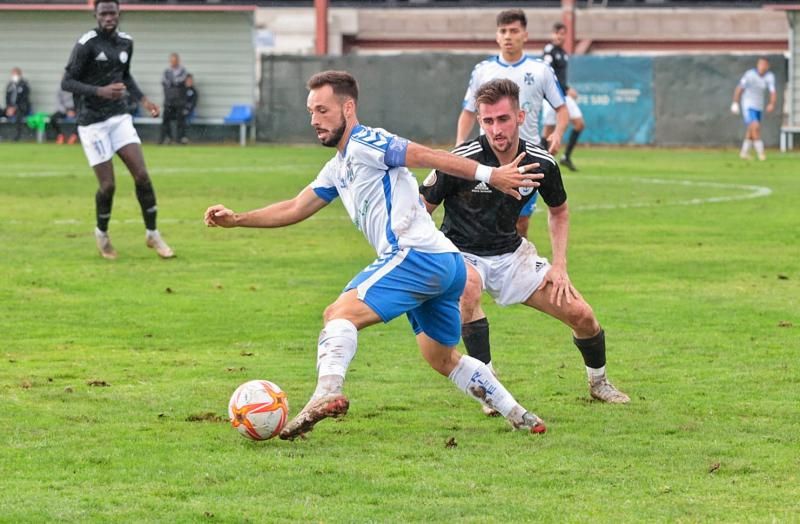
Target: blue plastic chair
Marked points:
240	114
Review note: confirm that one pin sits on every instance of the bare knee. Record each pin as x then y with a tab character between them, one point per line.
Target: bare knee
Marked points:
582	320
108	187
578	124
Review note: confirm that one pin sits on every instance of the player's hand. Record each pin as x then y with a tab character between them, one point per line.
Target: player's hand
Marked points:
770	108
152	108
11	111
561	287
219	216
553	143
572	93
510	177
113	91
735	108
70	114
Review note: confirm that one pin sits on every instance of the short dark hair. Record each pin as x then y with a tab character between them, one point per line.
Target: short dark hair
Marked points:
343	83
96	2
495	90
558	26
510	16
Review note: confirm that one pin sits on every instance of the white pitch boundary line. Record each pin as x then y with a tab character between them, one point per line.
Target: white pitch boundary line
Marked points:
749	193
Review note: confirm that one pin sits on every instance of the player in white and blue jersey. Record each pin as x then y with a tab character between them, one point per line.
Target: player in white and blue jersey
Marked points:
418	271
754	84
536	81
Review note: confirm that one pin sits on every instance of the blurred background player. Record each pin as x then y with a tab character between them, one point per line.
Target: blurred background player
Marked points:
98	74
18	100
369	172
558	58
481	223
751	90
537	84
65	108
191	102
174	83
535	79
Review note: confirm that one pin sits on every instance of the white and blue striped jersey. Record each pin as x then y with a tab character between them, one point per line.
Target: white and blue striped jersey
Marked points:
754	86
536	81
380	194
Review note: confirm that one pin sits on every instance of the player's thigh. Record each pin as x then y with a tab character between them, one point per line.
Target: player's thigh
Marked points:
576	312
439	317
349	307
96	143
573	109
122	132
548	115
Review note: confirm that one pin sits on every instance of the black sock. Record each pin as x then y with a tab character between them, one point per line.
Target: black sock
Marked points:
593	349
102	205
147	201
476	339
573	139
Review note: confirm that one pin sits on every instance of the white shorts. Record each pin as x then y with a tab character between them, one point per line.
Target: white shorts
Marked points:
549	114
512	277
102	139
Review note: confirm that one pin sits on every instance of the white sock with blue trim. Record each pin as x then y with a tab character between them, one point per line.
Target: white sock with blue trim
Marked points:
476	380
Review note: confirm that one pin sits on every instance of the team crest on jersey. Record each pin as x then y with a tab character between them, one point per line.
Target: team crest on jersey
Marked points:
525	191
528	79
349	174
430	179
123	57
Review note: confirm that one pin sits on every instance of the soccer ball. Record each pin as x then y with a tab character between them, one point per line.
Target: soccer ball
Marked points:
258	409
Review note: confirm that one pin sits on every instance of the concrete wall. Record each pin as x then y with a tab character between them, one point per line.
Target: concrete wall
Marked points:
693	98
419	96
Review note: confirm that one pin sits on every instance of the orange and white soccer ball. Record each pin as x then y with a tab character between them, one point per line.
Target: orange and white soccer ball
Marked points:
258	409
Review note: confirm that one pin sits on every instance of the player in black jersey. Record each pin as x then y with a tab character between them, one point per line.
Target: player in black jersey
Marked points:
481	223
558	58
98	74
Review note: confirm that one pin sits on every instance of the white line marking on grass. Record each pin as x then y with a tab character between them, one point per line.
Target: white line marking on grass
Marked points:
748	192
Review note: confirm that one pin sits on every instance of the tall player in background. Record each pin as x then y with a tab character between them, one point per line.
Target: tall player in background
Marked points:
98	74
558	58
751	89
536	81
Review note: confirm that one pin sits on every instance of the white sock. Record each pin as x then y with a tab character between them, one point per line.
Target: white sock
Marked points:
759	145
595	373
746	146
335	349
475	379
99	233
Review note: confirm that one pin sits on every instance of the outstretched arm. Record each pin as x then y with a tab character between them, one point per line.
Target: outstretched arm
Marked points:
507	178
280	214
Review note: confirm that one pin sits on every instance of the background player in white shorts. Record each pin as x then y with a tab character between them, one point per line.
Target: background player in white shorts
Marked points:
481	223
558	58
369	173
752	87
98	74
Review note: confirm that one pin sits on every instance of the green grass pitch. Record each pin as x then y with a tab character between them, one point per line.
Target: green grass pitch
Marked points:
115	376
